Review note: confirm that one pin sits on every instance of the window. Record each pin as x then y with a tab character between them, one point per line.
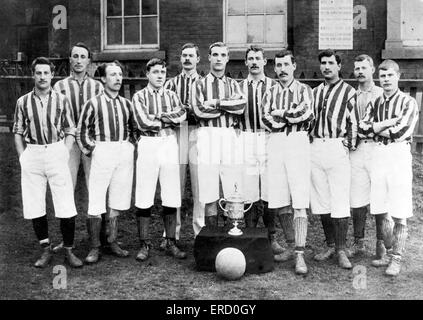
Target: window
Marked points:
130	24
261	22
404	30
412	26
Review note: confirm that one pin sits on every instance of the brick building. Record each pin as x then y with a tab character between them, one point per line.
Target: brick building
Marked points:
134	31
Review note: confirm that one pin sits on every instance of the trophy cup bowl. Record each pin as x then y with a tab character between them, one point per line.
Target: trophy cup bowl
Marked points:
234	209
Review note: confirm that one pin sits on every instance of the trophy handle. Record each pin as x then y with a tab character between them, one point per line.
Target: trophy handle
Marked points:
251	204
220	204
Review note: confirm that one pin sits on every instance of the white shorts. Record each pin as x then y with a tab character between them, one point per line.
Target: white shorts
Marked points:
112	168
255	173
75	157
330	178
289	170
391	180
158	160
220	154
41	164
360	174
183	133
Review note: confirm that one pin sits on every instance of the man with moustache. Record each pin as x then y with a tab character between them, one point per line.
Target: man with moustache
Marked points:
255	139
79	87
44	134
361	160
104	130
391	120
287	112
157	112
187	134
334	133
218	103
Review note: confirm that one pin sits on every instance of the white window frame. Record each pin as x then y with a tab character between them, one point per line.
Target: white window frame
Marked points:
242	46
127	47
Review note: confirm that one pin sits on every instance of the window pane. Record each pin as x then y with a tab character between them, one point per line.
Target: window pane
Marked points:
132	31
131	7
236	7
149	7
276	6
149	30
236	29
275	31
114	31
255	6
255	26
114	7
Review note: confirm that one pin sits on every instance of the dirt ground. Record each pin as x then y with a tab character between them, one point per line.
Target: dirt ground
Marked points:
162	277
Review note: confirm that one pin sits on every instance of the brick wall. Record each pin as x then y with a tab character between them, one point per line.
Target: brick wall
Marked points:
84	23
201	21
306	23
198	21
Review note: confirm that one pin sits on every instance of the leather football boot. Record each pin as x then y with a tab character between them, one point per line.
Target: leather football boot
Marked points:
343	261
112	239
173	250
276	247
300	265
380	249
45	258
286	255
382	262
394	267
325	254
94	225
356	248
144	252
73	260
163	244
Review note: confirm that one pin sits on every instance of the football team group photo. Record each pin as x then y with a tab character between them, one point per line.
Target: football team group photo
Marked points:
196	178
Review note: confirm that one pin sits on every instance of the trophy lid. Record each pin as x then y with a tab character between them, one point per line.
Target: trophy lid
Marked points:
236	195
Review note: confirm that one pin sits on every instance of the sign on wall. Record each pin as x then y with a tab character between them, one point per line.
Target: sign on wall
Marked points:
336	24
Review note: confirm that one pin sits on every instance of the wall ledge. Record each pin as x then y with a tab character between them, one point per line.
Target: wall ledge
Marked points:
403	53
239	54
128	55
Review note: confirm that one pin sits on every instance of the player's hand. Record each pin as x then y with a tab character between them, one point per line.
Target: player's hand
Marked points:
165	118
297	107
277	113
390	122
210	103
347	144
365	125
238	132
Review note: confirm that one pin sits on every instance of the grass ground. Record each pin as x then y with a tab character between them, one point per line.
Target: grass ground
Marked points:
162	277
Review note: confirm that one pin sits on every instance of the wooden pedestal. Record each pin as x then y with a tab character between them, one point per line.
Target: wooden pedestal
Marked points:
254	244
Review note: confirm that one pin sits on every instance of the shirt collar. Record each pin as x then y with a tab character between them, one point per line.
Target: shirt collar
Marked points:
292	86
250	79
193	75
110	98
49	92
333	84
372	85
153	90
223	78
385	99
72	76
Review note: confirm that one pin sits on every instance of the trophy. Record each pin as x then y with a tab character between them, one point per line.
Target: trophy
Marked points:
234	209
